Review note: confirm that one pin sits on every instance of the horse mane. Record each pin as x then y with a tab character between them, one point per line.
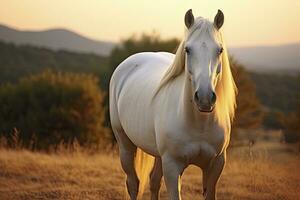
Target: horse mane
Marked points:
225	90
175	69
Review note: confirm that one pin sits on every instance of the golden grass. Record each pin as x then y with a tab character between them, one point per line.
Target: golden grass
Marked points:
266	172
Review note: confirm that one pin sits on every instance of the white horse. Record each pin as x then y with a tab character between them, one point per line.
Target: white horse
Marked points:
177	108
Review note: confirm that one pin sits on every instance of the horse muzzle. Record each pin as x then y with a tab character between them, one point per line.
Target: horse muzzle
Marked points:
205	109
205	104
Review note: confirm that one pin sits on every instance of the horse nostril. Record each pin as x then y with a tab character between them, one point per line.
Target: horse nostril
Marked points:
213	98
196	96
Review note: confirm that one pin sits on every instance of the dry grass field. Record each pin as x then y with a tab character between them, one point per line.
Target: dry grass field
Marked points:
266	171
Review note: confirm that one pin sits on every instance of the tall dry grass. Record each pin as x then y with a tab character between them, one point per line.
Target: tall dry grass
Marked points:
263	172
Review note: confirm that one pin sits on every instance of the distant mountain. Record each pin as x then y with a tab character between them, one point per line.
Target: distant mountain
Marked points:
56	39
283	58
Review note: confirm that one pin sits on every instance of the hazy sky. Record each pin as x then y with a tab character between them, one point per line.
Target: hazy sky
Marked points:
247	22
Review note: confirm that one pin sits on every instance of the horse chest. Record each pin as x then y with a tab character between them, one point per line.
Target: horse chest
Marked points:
196	147
198	152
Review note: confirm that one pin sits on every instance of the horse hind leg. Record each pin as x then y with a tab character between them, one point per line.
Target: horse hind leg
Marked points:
127	153
155	179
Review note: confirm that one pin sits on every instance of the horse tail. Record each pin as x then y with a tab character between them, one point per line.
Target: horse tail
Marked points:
143	166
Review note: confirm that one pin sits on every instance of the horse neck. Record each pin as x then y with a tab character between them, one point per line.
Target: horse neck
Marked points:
188	108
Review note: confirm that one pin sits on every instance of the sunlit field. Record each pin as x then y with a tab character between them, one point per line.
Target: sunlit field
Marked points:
264	171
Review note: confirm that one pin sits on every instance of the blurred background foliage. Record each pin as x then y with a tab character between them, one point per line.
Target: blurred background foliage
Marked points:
50	107
52	96
249	111
144	42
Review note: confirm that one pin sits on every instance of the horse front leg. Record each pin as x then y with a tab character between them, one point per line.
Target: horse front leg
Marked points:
172	170
211	175
155	179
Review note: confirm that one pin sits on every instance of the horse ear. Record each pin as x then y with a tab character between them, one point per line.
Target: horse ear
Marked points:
219	19
189	18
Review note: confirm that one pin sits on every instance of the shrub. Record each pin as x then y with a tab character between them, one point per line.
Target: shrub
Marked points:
51	107
291	125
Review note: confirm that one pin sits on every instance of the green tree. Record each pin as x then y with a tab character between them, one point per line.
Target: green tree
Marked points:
53	107
249	114
291	125
135	44
278	91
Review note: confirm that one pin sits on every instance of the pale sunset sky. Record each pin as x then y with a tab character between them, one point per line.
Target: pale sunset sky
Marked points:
247	22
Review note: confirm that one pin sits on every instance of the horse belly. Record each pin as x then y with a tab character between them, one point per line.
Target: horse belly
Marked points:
136	112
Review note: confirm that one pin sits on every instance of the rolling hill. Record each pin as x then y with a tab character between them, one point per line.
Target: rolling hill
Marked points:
56	39
283	58
18	61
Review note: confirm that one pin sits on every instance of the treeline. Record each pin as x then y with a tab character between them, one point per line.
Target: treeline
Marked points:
52	96
279	92
19	61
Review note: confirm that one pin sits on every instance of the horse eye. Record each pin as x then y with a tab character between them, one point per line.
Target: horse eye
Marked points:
187	50
221	50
